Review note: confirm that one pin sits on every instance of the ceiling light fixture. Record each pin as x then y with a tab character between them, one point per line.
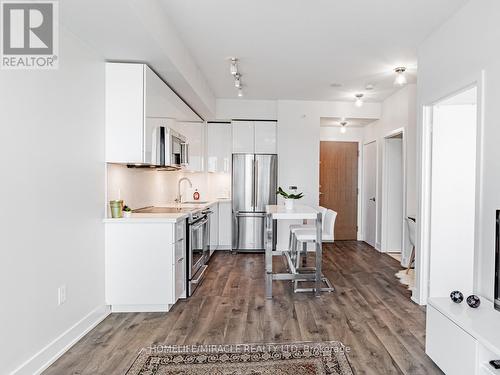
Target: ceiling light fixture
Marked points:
400	76
343	127
233	68
240	92
237	81
359	100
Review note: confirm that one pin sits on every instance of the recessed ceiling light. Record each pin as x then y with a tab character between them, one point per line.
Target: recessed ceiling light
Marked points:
343	127
400	76
359	100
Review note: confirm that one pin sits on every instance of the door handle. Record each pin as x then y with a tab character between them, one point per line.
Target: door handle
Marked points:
256	183
372	199
197	280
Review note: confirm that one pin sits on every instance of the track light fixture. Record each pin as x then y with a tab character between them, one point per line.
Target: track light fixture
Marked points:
359	100
233	68
400	76
237	81
240	92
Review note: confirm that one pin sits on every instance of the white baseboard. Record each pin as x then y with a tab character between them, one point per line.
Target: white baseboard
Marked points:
50	353
139	308
224	247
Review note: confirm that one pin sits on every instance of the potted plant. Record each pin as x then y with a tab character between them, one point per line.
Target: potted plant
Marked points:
289	198
127	211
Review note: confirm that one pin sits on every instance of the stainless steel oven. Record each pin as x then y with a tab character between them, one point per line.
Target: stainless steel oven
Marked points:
198	248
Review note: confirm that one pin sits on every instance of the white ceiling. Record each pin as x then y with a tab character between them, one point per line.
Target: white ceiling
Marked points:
351	121
295	49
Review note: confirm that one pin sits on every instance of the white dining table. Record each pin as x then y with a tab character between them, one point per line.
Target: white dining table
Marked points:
299	212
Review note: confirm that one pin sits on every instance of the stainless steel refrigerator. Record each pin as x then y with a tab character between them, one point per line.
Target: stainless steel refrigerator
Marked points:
253	187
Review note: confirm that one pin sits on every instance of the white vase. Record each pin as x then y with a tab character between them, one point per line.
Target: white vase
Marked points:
289	204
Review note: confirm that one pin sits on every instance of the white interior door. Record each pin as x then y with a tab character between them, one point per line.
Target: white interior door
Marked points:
369	193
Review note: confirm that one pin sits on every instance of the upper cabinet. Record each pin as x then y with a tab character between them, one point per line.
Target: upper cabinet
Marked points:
219	150
257	137
195	135
265	137
135	93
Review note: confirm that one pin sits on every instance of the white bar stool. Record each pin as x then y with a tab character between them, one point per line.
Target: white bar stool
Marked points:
301	237
294	227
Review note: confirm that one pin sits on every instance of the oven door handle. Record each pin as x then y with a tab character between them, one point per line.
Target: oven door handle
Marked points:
199	278
198	225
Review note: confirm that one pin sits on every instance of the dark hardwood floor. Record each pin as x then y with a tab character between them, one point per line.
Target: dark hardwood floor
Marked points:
370	312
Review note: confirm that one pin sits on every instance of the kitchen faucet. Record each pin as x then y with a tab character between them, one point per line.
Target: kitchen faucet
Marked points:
179	195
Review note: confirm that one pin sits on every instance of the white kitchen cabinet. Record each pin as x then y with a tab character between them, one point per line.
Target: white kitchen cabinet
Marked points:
144	265
265	137
225	225
243	137
135	93
219	148
195	135
214	227
254	137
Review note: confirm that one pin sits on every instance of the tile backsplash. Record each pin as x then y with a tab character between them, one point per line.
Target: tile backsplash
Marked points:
143	187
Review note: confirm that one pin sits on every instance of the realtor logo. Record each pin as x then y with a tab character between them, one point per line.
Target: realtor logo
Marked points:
29	34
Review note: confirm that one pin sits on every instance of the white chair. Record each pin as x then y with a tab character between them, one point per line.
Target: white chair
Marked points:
411	236
295	227
303	236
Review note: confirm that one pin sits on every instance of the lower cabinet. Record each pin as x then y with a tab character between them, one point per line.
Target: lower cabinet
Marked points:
462	340
450	347
225	225
144	265
214	228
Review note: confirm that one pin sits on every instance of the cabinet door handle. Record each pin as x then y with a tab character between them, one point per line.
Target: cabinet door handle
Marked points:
180	260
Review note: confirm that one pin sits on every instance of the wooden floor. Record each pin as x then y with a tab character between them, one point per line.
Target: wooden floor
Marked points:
370	312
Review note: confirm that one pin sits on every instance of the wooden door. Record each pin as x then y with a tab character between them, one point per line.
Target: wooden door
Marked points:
338	179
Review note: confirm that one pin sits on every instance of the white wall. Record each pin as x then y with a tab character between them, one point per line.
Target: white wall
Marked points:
450	59
51	233
229	109
453	199
398	111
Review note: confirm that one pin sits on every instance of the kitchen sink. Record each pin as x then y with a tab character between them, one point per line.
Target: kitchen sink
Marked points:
161	210
195	202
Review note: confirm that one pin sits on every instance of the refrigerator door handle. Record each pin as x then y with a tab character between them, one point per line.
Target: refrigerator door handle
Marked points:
256	185
253	184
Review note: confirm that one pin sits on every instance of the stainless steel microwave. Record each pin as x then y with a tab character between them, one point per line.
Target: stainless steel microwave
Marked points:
168	148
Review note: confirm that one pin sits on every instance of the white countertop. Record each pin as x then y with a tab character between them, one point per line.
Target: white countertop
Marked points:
299	212
163	217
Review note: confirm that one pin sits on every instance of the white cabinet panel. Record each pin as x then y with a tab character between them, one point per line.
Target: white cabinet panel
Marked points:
265	137
243	137
219	147
195	134
133	93
180	269
225	225
124	113
450	347
139	269
161	101
214	228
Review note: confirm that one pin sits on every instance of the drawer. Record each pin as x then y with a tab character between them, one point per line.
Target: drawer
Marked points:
179	250
180	230
449	346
